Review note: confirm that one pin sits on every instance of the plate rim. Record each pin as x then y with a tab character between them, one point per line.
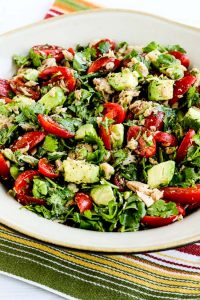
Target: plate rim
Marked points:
100	10
157	247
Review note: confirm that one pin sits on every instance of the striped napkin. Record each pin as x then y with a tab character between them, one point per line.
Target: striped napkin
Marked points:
171	274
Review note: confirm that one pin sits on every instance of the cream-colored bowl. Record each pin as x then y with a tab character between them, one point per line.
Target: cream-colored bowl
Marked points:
120	25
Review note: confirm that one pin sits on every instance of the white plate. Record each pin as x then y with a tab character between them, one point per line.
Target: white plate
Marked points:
136	28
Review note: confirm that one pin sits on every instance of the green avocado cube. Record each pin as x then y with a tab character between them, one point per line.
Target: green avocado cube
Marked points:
102	194
160	90
123	80
192	118
83	130
161	174
55	97
79	171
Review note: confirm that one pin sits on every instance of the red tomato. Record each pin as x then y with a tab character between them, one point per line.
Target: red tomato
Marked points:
4	168
185	145
49	50
18	86
111	43
146	142
181	195
155	121
83	201
119	182
105	136
166	139
184	59
71	50
152	221
29	139
22	182
181	87
4	88
54	128
115	111
46	169
26	199
7	100
63	72
100	64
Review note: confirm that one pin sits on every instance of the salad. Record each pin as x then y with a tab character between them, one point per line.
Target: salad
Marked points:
103	137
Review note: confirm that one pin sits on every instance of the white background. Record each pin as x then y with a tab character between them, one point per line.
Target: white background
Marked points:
16	13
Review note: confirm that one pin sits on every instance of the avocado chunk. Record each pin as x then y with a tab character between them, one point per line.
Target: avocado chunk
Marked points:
192	118
84	130
55	97
117	135
102	194
79	171
160	89
31	74
21	101
123	80
161	174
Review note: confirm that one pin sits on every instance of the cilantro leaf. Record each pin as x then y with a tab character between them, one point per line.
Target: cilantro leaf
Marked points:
160	208
20	60
50	144
175	48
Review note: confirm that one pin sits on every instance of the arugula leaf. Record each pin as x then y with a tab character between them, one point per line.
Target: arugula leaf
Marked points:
129	171
132	213
20	60
160	208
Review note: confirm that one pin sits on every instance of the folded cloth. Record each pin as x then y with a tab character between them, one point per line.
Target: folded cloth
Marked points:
171	274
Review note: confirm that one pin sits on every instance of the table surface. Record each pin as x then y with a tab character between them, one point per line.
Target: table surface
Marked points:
16	13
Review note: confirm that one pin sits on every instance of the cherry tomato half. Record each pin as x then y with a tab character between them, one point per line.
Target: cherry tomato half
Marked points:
115	111
29	139
166	139
4	168
49	50
105	136
26	199
155	121
4	88
47	169
185	145
189	195
181	87
54	128
101	63
184	59
83	201
152	221
111	43
22	183
146	142
62	72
